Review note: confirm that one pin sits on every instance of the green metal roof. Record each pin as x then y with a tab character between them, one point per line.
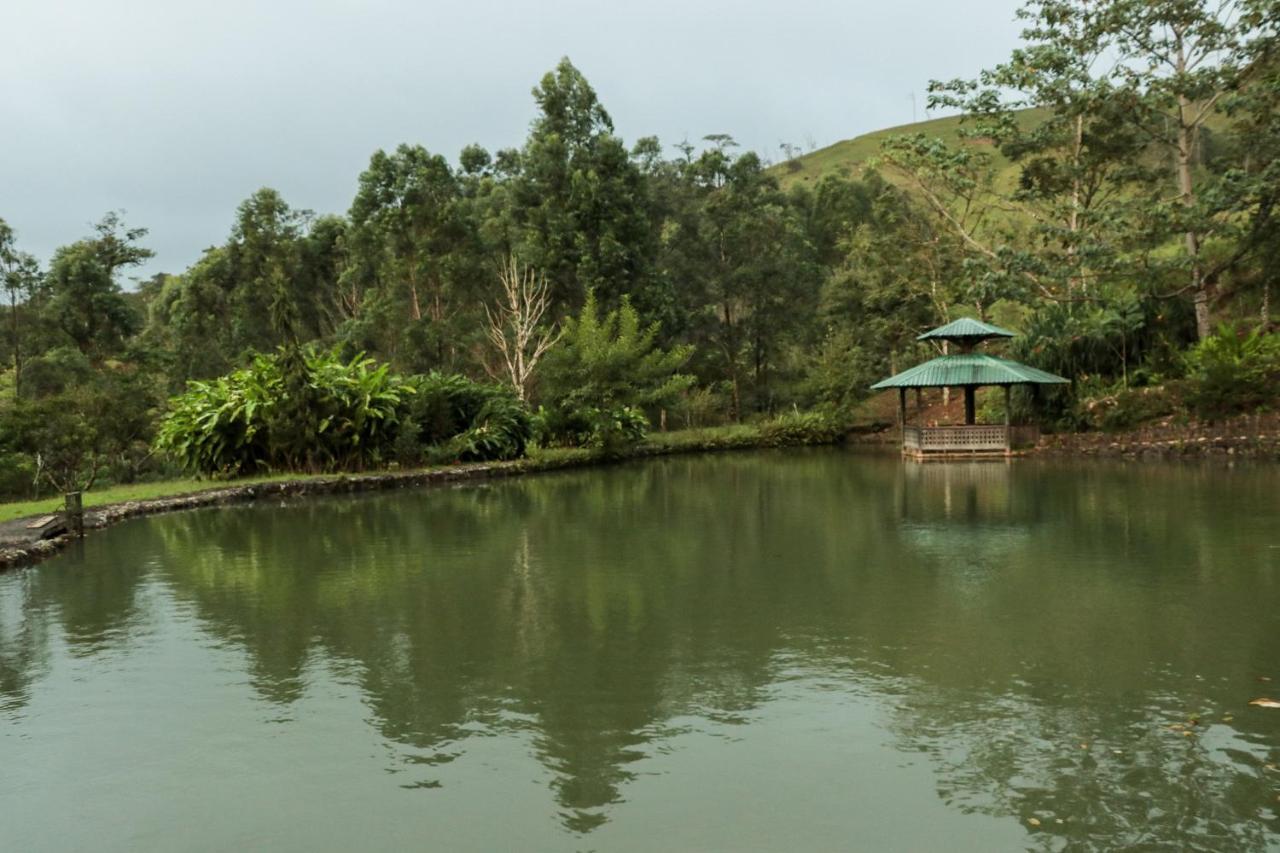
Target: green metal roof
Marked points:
971	368
966	329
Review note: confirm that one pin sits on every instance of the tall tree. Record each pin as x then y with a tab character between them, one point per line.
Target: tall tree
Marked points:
1177	62
1052	110
579	200
83	297
1254	180
263	260
745	269
20	275
410	245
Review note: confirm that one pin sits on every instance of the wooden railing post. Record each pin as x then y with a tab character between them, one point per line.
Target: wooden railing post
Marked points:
1008	430
75	512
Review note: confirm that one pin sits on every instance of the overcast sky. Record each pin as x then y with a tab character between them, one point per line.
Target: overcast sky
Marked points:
175	111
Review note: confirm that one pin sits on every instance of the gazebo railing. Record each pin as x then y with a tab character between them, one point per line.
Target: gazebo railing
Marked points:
966	438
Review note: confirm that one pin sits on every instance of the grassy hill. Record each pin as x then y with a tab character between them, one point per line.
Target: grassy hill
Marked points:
850	156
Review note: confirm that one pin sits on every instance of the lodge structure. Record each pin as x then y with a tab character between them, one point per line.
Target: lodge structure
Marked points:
968	371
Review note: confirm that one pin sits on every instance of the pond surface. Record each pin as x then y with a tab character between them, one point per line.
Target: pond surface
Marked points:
806	650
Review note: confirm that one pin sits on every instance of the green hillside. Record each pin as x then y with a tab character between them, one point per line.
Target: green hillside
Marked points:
849	156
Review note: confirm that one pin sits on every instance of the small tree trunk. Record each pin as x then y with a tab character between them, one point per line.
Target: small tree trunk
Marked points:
17	350
1186	187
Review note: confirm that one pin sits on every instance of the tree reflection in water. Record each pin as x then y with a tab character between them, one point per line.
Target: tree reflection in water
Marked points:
1034	629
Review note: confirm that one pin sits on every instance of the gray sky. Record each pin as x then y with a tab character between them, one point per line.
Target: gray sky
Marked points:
176	111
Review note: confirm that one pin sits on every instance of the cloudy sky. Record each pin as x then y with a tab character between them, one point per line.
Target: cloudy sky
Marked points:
174	111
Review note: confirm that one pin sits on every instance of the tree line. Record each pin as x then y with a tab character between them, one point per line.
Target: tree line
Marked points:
1111	194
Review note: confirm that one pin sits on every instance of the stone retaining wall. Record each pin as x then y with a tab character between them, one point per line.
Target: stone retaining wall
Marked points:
1247	437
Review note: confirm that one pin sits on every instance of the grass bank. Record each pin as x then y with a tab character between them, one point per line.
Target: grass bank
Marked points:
110	505
134	492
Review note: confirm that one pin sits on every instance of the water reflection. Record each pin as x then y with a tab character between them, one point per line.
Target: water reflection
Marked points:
1034	630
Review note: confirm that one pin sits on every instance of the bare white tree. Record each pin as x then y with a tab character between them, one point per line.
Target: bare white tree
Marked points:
514	328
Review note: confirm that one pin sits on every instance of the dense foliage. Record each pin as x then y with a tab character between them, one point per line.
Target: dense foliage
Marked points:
606	371
309	410
1114	212
305	410
450	417
1234	373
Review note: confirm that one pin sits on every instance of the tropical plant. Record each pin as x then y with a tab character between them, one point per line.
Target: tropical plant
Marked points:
500	430
1233	373
333	414
606	370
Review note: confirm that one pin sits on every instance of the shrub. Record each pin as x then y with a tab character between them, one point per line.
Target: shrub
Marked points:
501	429
616	428
701	407
606	369
298	409
1231	373
17	475
610	429
1131	407
801	428
83	433
445	404
454	418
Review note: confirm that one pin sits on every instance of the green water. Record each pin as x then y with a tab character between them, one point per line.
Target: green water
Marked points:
776	651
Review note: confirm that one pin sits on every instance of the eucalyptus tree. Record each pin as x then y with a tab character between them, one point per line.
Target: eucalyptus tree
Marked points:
1053	110
1254	177
20	275
263	258
410	248
1177	62
896	277
81	295
191	319
959	188
747	274
579	200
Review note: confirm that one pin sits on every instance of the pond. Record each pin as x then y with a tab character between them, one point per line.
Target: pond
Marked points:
791	650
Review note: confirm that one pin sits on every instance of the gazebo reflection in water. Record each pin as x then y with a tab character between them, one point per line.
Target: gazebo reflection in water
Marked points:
967	370
969	518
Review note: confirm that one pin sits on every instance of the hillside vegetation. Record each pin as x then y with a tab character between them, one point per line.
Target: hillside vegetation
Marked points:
850	157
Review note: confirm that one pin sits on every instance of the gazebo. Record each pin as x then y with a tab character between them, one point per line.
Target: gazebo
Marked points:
967	370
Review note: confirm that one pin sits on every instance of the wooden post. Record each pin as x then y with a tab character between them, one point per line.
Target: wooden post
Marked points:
902	407
75	512
970	405
1008	431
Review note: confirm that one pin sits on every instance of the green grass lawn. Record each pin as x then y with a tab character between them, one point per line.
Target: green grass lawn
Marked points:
133	492
188	485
